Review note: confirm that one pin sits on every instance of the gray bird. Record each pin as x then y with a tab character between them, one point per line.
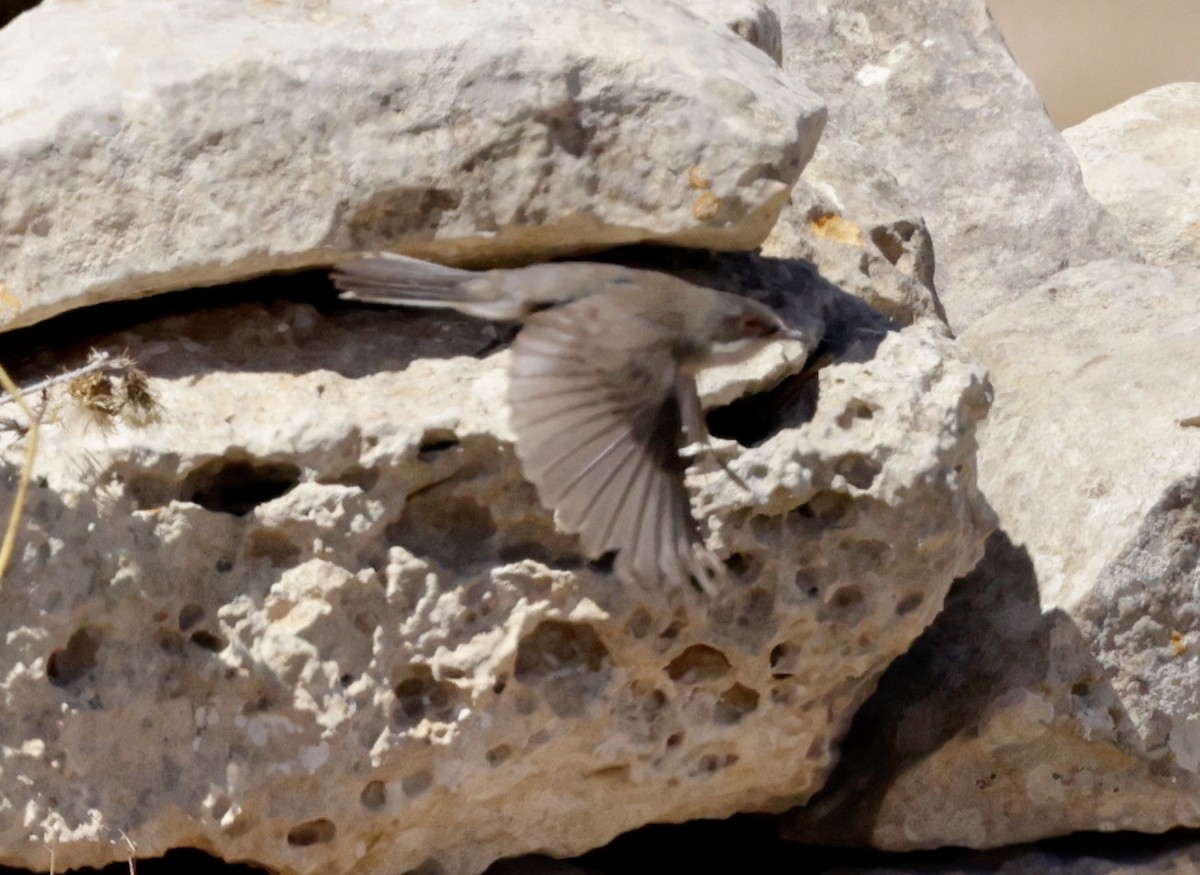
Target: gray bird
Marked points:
602	389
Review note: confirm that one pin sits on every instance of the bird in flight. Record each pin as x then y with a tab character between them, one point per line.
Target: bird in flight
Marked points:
602	390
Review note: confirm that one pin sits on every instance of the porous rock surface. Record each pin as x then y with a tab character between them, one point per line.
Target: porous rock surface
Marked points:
1057	691
1141	159
930	93
314	618
206	142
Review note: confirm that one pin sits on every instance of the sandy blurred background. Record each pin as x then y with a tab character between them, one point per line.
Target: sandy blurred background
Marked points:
1087	55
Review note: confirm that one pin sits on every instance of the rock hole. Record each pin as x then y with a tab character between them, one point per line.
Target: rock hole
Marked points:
272	545
711	763
675	739
868	549
893	241
639	623
169	641
238	486
909	603
416	783
567	661
356	475
748	615
826	506
672	631
74	661
734	704
313	832
806	582
857	410
373	796
207	640
189	615
434	442
452	530
610	773
500	684
846	604
752	419
697	664
420	696
739	563
498	754
859	470
783	661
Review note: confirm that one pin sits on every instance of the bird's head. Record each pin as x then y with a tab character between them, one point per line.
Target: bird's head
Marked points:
739	322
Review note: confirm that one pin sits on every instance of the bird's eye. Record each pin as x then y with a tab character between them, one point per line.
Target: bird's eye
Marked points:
754	325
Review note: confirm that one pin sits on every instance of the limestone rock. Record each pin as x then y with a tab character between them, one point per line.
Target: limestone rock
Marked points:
314	618
851	217
184	146
929	90
1141	159
1058	690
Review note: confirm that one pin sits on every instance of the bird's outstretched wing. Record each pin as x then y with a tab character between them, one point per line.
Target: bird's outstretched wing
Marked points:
593	396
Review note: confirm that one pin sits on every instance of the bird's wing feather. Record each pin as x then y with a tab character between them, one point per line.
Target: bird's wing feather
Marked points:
593	399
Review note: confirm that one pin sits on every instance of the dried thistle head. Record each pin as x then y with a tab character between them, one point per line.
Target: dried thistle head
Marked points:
141	405
97	393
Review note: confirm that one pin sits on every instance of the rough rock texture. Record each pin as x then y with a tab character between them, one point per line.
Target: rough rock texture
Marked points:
929	91
202	142
1141	159
314	617
852	218
1057	691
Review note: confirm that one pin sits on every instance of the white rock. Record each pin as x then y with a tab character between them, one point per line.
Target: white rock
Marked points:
180	144
943	109
1141	159
1058	691
327	548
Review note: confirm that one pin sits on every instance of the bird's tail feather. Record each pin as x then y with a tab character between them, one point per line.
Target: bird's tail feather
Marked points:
397	279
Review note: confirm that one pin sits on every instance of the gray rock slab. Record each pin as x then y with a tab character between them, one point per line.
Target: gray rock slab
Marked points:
184	146
930	92
1058	690
313	617
1141	159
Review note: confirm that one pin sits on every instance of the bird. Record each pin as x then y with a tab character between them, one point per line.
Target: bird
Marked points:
602	390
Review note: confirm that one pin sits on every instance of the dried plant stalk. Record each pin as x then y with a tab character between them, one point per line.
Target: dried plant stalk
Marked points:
31	443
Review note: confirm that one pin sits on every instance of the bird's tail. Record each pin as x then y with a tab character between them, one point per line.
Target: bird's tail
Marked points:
401	281
388	278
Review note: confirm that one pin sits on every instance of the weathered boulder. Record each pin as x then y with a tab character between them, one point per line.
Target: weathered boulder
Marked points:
313	617
930	92
1141	160
1058	690
185	146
